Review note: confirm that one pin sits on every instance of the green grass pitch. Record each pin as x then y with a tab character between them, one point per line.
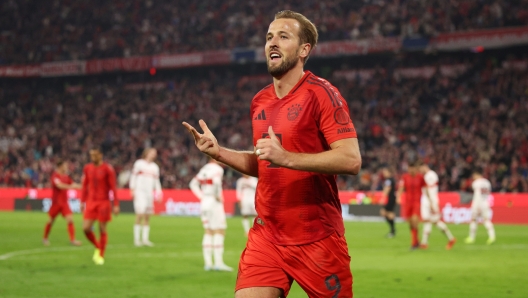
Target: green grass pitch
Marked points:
174	267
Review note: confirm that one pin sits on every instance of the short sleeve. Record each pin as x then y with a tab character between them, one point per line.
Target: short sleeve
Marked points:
334	120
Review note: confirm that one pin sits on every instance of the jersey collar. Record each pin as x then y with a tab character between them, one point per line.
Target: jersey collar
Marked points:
307	73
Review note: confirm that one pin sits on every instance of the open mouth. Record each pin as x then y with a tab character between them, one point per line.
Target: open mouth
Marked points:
275	56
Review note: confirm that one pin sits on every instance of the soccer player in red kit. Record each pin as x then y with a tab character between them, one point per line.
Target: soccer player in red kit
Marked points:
412	183
61	182
303	136
98	180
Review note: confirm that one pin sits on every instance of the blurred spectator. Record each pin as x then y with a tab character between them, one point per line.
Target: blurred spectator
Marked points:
40	31
476	118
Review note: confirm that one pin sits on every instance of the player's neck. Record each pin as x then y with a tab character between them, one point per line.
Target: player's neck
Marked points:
285	84
98	163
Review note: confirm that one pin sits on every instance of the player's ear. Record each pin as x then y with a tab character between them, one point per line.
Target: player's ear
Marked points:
305	50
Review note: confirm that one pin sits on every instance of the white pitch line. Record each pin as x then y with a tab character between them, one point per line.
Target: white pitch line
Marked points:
64	248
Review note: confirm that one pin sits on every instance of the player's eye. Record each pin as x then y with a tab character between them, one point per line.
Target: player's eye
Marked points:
284	37
268	38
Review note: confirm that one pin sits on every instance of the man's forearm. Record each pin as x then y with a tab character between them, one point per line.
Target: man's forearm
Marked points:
242	161
333	162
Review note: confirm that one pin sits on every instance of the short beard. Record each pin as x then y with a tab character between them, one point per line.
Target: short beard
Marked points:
283	68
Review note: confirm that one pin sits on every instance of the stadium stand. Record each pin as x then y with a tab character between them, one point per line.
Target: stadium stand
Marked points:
454	114
37	31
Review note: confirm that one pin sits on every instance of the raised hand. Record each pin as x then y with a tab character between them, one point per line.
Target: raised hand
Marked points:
206	141
270	149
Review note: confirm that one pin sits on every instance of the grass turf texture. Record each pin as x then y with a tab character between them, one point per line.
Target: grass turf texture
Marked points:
174	267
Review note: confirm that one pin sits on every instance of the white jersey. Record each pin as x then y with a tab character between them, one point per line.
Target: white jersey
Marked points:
481	191
207	185
431	184
481	199
428	204
145	178
245	189
245	193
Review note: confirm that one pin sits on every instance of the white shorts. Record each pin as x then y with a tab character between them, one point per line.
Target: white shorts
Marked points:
247	207
427	213
481	209
143	203
213	216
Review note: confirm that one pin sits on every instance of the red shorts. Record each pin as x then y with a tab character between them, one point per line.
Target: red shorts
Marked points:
411	208
98	210
57	208
321	268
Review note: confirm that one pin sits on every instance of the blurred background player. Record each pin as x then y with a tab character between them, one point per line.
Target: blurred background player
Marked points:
61	182
430	210
144	185
480	206
389	192
98	180
207	187
411	182
245	193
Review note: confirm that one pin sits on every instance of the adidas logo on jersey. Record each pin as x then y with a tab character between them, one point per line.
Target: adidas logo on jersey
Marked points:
260	116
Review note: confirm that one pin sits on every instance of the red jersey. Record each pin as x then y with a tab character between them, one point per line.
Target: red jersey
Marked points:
413	187
298	207
59	196
97	183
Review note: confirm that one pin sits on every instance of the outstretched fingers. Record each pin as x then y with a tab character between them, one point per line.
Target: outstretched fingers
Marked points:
192	130
204	126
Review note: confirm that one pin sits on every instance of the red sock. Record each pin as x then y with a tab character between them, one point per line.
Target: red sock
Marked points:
47	230
414	233
71	231
103	241
90	235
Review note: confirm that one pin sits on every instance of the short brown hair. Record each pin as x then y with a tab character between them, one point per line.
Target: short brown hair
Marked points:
307	31
60	162
146	151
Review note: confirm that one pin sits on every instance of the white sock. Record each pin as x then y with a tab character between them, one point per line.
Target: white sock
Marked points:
427	227
146	230
207	248
472	229
218	249
137	232
489	227
245	224
443	227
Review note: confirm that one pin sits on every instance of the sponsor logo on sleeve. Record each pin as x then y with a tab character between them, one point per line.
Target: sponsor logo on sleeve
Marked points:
345	130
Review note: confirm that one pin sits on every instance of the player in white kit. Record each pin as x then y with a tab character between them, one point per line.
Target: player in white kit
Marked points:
207	186
245	193
430	211
145	185
480	206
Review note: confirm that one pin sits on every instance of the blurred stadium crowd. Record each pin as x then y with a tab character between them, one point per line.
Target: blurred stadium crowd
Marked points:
454	122
41	31
476	116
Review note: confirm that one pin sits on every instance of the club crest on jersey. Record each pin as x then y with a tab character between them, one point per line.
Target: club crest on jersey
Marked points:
294	111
